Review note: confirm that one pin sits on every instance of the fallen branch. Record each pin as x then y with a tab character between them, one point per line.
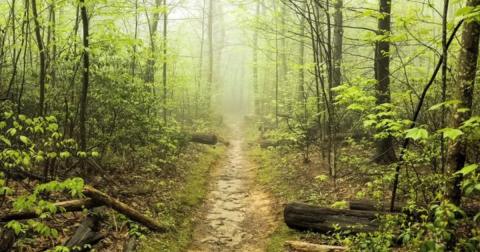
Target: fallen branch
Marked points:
310	247
120	207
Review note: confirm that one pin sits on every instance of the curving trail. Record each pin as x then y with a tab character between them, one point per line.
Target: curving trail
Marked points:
237	215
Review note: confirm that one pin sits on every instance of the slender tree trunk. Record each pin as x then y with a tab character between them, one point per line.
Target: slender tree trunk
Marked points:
385	147
256	95
444	79
165	20
210	54
463	91
85	81
43	74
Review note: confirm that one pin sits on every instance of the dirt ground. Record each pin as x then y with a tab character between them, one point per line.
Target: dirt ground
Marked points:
237	215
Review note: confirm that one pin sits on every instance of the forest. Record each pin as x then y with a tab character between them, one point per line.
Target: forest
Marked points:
239	125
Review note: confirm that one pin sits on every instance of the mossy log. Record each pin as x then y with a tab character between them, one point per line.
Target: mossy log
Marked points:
204	138
321	219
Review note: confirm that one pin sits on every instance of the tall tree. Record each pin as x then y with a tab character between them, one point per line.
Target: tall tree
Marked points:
385	146
462	91
41	49
85	79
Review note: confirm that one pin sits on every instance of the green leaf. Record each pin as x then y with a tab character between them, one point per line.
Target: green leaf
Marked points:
416	133
450	133
464	11
467	169
24	139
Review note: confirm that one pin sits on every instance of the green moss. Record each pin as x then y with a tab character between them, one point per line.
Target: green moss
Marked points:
278	238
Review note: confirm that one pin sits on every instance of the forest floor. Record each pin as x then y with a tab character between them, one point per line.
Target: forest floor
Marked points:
237	215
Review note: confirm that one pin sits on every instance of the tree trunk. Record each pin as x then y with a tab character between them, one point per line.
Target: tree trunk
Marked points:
164	77
321	219
43	69
385	147
256	94
85	82
210	54
463	91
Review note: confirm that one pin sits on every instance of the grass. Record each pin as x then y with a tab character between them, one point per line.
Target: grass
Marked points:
187	197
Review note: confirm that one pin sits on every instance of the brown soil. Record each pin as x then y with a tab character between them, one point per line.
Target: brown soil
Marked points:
237	215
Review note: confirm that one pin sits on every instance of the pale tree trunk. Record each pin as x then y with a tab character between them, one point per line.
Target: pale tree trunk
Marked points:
463	91
385	147
256	95
164	77
210	54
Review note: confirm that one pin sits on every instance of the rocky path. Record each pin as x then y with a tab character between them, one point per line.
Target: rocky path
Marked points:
237	215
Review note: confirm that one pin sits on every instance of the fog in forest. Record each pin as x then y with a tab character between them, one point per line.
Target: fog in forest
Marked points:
237	125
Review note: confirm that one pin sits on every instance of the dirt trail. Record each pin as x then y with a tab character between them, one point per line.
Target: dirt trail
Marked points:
237	215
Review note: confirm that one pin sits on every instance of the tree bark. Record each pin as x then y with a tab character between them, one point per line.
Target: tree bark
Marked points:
463	91
43	68
85	81
385	147
321	219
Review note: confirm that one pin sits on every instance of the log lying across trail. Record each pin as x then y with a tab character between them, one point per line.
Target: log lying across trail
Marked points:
69	206
309	247
204	138
321	219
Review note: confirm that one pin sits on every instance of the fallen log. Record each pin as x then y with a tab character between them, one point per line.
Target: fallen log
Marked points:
69	206
130	244
371	205
204	138
88	232
309	247
121	207
321	219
